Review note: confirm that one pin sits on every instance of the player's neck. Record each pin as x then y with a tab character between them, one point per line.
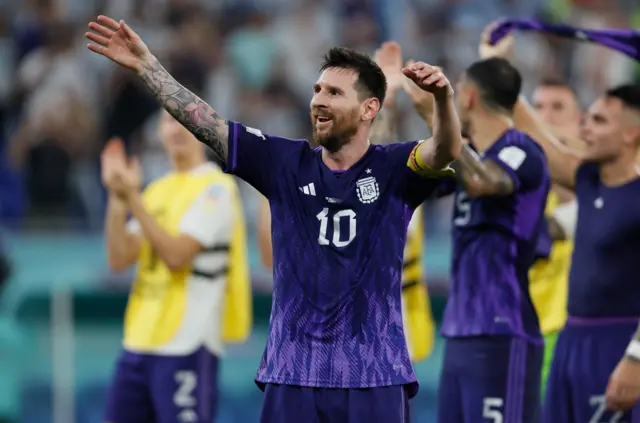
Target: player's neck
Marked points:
486	129
187	163
619	172
347	156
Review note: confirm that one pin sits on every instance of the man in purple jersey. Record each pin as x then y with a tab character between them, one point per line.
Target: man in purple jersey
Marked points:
493	352
603	304
336	349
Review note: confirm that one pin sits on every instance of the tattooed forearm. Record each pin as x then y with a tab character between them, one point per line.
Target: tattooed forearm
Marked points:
193	113
482	177
383	129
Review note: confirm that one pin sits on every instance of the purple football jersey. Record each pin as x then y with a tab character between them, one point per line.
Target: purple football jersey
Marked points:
494	245
338	241
603	277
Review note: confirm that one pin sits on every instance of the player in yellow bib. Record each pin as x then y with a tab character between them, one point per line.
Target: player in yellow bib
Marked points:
191	291
558	105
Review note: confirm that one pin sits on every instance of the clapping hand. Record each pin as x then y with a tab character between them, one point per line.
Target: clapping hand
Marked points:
121	176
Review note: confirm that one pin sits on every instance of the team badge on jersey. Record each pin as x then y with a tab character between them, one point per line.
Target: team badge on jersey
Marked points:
367	189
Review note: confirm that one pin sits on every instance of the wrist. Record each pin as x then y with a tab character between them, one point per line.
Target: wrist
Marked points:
444	97
633	350
117	204
146	63
132	197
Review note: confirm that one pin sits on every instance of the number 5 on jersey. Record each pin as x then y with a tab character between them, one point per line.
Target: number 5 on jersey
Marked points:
337	239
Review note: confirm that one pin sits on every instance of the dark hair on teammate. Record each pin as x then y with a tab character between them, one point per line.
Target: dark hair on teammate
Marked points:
629	94
371	81
498	81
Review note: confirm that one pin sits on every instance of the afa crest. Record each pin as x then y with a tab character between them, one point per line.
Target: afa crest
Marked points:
367	190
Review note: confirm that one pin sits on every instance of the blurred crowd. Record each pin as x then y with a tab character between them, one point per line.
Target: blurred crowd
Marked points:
253	60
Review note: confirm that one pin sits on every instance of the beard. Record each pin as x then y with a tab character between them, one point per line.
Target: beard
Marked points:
342	129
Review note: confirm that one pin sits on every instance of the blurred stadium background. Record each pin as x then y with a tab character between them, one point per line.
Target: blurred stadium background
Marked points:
255	61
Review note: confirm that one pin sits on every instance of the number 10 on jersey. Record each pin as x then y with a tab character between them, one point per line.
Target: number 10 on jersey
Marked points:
337	238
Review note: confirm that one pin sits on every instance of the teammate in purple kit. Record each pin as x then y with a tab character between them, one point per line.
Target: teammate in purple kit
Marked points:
603	304
493	353
336	350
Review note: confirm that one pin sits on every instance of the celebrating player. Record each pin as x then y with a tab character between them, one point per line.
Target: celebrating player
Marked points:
603	302
558	105
494	353
188	237
336	348
419	326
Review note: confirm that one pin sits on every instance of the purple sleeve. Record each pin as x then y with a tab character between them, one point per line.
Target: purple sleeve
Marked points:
256	157
523	163
414	187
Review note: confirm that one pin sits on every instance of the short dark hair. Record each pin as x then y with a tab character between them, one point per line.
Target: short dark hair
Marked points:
498	81
371	80
629	94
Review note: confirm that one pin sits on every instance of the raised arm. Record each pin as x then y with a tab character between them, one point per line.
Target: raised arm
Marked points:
482	177
118	42
563	162
444	146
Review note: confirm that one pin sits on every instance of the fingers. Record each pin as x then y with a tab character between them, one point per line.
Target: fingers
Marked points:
101	30
97	49
114	148
391	47
134	164
98	39
108	22
422	71
127	30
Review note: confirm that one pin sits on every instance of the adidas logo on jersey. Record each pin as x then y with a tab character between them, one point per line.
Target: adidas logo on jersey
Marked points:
309	189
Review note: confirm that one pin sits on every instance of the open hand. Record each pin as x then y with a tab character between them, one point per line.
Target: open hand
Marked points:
429	78
502	48
623	390
389	58
118	42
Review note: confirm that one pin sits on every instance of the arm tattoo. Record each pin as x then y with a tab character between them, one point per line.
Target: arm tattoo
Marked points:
482	176
383	129
193	113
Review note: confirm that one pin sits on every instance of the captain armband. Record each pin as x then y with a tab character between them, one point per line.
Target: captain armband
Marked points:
416	164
